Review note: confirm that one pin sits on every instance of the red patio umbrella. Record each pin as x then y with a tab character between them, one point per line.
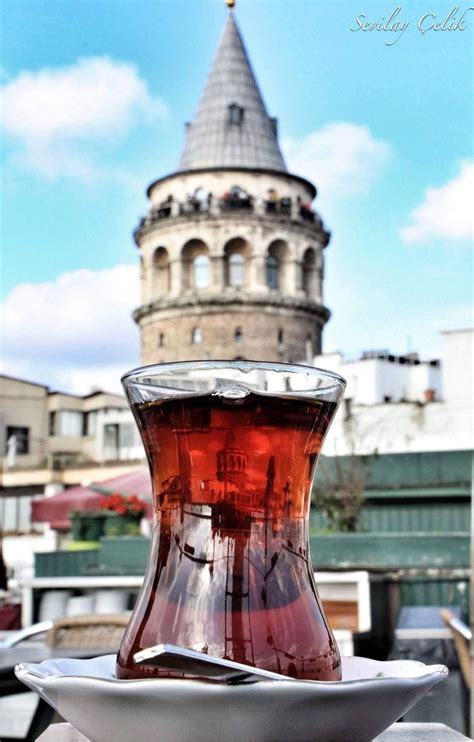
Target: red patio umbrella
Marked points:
55	510
136	482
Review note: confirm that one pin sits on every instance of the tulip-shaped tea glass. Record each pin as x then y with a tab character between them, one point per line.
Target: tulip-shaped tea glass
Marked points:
232	449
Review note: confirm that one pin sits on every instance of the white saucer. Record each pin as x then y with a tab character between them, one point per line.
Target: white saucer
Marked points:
371	696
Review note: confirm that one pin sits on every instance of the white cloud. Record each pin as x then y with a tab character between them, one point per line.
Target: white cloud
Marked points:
342	158
447	211
73	333
59	116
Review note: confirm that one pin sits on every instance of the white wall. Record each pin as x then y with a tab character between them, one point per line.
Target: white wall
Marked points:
371	380
19	551
447	424
457	370
400	428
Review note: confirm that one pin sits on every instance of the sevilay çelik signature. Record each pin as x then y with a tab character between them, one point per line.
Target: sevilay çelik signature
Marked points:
394	25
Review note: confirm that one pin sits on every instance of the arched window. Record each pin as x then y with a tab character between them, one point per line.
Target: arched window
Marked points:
201	272
236	254
277	265
195	271
161	271
272	265
236	269
196	336
309	272
238	335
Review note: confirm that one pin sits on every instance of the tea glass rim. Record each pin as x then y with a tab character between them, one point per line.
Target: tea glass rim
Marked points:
335	379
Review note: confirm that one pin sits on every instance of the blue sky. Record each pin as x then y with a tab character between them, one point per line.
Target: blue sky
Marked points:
95	99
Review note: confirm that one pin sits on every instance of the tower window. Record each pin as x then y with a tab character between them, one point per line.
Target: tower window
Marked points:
280	336
161	271
236	269
238	335
196	336
201	272
272	271
161	339
236	114
309	272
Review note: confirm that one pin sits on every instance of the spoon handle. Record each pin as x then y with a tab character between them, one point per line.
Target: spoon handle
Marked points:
170	657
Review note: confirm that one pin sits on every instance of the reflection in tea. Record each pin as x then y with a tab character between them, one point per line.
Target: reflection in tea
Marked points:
230	572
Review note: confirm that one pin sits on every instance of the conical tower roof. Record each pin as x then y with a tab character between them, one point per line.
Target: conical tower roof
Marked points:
231	127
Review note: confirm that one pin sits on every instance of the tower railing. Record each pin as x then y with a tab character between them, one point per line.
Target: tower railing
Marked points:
229	204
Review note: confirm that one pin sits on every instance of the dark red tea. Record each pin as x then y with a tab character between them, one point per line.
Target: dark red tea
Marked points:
229	571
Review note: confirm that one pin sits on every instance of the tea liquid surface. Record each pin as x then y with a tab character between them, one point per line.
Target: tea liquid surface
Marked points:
229	571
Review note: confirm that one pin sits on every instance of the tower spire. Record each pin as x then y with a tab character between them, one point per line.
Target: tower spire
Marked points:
231	127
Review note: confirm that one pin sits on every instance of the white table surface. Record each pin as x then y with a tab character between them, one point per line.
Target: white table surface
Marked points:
396	733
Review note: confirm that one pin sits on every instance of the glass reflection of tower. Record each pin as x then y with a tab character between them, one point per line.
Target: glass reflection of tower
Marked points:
247	538
233	525
232	462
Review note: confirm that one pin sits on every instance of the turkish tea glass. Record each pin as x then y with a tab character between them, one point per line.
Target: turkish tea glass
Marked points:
232	449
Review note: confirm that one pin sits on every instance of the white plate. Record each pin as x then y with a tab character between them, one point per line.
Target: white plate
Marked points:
370	697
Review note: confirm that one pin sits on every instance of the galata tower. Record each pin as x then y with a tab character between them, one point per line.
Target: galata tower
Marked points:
231	248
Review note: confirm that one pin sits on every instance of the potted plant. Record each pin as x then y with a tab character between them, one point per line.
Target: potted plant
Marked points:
87	525
123	514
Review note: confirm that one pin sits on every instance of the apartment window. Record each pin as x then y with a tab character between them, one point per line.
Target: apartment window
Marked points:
89	426
19	438
111	442
15	516
69	423
52	423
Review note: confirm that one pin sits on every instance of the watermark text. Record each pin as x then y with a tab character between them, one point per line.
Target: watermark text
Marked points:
394	24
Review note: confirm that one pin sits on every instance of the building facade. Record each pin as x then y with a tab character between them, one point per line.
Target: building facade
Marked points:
53	431
231	248
405	408
377	377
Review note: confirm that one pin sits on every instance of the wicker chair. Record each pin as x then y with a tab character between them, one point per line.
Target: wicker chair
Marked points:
101	634
461	635
102	631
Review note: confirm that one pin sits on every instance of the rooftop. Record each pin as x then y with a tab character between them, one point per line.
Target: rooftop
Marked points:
231	127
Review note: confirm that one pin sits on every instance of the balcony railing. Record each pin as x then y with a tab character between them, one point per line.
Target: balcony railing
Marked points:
230	203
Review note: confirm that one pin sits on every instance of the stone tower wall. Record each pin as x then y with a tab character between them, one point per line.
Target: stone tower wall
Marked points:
263	315
251	331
